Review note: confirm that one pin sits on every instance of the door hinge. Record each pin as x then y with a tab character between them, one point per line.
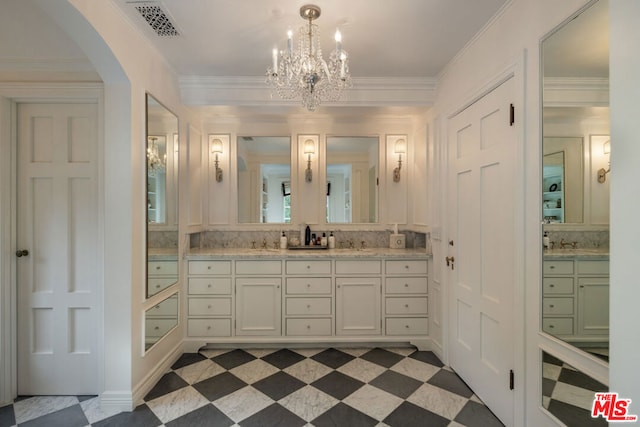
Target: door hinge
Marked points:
512	115
511	379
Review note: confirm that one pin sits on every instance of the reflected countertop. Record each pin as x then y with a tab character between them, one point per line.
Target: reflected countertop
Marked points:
576	253
234	253
162	254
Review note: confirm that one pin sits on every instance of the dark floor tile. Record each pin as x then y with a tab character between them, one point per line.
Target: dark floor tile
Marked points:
547	358
581	380
7	416
83	398
168	383
278	385
574	416
206	416
427	357
73	416
476	414
382	357
219	386
273	416
410	415
333	358
344	415
396	384
142	416
450	381
547	386
233	358
337	384
187	359
283	358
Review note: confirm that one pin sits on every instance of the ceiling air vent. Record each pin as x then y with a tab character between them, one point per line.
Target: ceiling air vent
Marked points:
157	19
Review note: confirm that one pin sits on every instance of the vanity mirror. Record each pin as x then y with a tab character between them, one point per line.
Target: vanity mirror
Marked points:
352	176
161	197
264	179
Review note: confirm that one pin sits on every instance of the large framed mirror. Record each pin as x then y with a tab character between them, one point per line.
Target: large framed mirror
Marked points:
352	179
575	193
162	196
264	179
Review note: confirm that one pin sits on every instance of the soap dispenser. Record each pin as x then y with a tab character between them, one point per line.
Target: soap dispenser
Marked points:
283	241
307	236
545	240
332	241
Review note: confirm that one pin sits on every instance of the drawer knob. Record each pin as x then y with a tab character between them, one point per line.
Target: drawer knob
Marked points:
552	267
308	285
551	305
406	285
157	286
209	306
308	326
157	306
552	285
208	267
158	267
406	266
157	328
209	285
406	306
308	267
406	326
308	305
208	328
551	326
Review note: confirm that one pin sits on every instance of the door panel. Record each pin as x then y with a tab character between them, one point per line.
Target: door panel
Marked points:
481	199
57	223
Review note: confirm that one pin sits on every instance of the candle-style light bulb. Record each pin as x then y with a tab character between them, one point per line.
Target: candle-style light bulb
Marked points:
275	61
289	41
338	43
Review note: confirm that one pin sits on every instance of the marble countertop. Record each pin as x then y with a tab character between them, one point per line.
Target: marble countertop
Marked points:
163	254
578	252
306	253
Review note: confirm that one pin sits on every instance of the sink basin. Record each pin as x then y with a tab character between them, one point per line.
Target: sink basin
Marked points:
308	247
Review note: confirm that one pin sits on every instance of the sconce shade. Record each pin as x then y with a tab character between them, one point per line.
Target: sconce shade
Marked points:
606	147
309	147
216	146
401	146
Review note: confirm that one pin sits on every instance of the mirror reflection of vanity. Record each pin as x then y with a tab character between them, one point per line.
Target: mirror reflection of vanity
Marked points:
162	218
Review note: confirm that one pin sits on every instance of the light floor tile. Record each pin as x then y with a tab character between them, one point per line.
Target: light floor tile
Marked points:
455	424
254	371
260	352
308	403
94	411
415	369
308	352
37	406
376	403
213	352
243	403
438	401
177	403
476	399
545	401
308	370
576	396
403	351
361	369
355	352
199	371
551	371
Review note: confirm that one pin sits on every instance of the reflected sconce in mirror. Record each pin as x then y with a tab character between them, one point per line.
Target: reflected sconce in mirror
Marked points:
400	149
602	173
216	148
155	163
309	149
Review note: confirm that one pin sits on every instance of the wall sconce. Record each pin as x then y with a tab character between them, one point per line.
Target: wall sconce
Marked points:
216	148
602	173
309	149
400	149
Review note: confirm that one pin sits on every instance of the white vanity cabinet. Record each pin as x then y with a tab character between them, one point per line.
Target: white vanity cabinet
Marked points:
258	297
358	297
209	299
161	273
575	302
308	299
405	301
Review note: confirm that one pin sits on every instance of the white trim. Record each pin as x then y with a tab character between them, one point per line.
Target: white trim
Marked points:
116	401
141	389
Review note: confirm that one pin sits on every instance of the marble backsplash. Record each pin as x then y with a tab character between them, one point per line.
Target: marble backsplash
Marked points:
344	239
584	239
162	239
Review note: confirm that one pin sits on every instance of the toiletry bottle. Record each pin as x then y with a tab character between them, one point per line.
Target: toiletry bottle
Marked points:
307	236
545	240
332	241
323	240
283	241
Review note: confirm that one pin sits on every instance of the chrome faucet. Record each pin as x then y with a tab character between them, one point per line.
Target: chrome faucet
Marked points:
564	244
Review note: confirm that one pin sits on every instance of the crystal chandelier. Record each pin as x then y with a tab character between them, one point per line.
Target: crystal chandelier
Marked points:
303	72
155	163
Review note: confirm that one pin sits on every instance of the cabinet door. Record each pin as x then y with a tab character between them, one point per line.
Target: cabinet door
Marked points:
258	306
593	306
358	306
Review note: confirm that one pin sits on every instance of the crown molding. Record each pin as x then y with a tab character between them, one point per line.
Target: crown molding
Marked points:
575	91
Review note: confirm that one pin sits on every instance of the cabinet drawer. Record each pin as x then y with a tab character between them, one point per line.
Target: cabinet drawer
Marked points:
308	306
209	306
156	284
209	327
557	267
158	327
558	325
162	268
252	267
557	306
557	285
358	267
406	267
598	267
210	267
415	305
305	327
168	307
308	285
309	267
210	285
406	285
407	326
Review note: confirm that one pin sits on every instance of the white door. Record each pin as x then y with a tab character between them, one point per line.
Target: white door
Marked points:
57	223
258	306
358	306
481	162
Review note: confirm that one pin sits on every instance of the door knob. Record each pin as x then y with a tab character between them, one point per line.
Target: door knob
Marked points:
450	260
21	253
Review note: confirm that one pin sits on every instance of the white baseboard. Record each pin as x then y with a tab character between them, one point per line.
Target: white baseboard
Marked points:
152	378
116	401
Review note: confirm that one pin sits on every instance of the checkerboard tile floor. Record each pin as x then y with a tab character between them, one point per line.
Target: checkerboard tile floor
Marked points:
397	387
568	393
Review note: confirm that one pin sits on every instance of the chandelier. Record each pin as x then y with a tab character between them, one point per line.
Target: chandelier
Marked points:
155	163
303	72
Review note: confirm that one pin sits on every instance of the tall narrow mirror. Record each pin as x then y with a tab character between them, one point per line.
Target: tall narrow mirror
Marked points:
352	179
264	179
162	197
575	194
